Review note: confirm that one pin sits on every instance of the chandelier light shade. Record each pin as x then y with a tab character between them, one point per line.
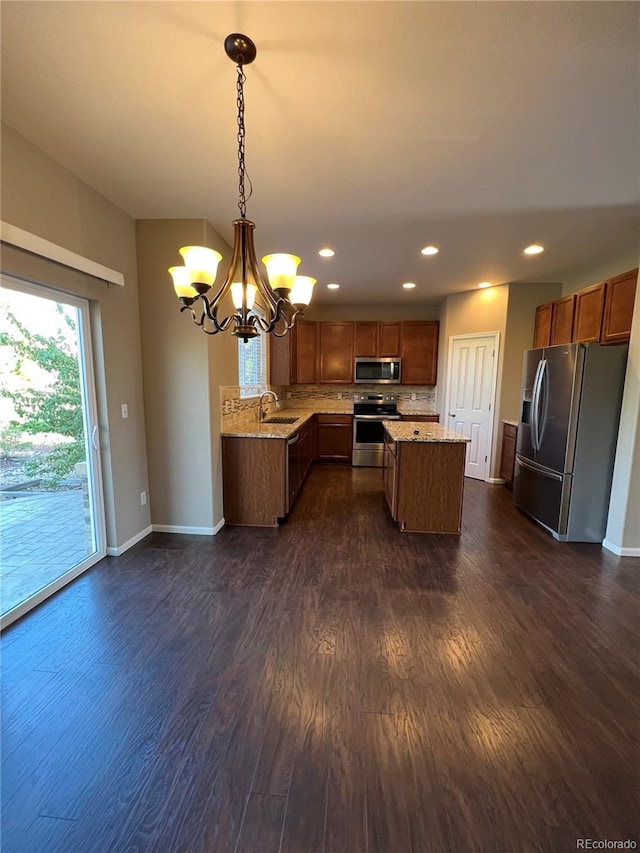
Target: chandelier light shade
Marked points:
268	304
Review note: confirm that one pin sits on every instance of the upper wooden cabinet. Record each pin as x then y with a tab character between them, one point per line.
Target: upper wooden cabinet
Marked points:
292	359
336	352
419	353
587	319
377	340
620	293
542	329
562	320
601	313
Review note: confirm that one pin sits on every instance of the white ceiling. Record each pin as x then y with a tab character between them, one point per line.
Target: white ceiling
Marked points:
372	127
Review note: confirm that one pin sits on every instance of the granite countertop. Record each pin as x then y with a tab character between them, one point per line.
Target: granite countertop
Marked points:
417	431
251	427
412	409
511	423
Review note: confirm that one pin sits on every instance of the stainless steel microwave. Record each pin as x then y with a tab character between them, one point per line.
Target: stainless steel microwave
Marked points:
377	371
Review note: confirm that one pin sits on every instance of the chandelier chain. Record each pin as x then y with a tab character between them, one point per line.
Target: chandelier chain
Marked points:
242	201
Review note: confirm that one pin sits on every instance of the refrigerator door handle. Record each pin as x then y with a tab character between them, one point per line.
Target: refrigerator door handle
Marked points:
535	402
541	414
538	469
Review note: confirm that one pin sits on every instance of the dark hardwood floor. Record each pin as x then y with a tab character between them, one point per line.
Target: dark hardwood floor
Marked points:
332	685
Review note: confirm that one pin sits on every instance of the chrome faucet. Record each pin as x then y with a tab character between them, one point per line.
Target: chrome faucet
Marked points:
262	412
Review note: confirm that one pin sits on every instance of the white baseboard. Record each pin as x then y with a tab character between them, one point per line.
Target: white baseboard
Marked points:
177	528
495	480
116	552
218	526
621	552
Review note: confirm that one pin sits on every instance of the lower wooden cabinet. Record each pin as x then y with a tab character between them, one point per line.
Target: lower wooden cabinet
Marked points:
334	436
508	454
421	419
254	472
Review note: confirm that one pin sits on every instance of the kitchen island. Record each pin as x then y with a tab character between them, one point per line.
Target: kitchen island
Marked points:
424	476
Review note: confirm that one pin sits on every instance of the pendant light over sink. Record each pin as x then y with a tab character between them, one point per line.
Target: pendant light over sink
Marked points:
260	305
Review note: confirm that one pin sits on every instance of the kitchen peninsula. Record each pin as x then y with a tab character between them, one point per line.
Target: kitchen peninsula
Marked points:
424	476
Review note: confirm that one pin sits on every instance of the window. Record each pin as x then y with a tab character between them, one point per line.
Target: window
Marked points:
252	366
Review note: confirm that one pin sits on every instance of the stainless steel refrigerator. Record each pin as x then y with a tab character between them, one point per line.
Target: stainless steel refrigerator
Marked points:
571	399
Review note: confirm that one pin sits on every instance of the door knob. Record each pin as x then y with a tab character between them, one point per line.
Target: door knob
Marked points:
452	414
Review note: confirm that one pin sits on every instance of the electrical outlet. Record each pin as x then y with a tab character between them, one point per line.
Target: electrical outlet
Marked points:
413	396
124	408
339	395
143	498
288	395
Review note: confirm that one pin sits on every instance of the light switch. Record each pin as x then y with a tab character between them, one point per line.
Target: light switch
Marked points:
125	411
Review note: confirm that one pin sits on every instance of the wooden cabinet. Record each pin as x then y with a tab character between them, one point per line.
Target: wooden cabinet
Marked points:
587	320
601	313
377	340
620	295
562	320
334	436
254	474
300	453
292	359
336	353
389	468
421	419
542	329
508	454
419	352
424	483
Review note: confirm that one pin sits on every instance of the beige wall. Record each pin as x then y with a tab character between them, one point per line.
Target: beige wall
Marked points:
183	369
471	313
594	273
41	197
521	311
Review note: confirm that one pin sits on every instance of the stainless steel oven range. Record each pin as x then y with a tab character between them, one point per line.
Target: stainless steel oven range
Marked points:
369	411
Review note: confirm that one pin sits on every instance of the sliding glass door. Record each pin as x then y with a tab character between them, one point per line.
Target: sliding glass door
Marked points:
51	505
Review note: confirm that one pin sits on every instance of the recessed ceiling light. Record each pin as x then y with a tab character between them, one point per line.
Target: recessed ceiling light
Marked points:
326	253
333	286
429	250
408	285
534	249
485	284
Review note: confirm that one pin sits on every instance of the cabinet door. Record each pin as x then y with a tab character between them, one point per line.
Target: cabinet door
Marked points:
618	308
304	350
508	455
562	320
388	340
334	437
366	339
280	365
419	353
336	353
542	328
587	321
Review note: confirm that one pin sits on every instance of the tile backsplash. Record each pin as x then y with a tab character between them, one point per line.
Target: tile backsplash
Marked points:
236	409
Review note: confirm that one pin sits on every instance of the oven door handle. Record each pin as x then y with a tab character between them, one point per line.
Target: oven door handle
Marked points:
377	417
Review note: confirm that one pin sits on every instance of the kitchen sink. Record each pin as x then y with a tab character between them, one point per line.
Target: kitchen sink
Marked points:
280	421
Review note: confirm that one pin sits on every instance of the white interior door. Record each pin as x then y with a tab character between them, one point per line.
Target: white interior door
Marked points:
471	391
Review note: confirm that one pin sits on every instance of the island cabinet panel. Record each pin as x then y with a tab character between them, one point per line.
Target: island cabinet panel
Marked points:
508	454
430	485
336	353
389	340
292	358
587	320
389	469
562	320
421	419
542	328
334	437
419	353
254	480
618	308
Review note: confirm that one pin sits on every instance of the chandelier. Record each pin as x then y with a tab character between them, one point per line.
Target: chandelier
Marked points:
268	306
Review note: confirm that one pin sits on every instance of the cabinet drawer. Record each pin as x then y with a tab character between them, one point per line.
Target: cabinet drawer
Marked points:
333	419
